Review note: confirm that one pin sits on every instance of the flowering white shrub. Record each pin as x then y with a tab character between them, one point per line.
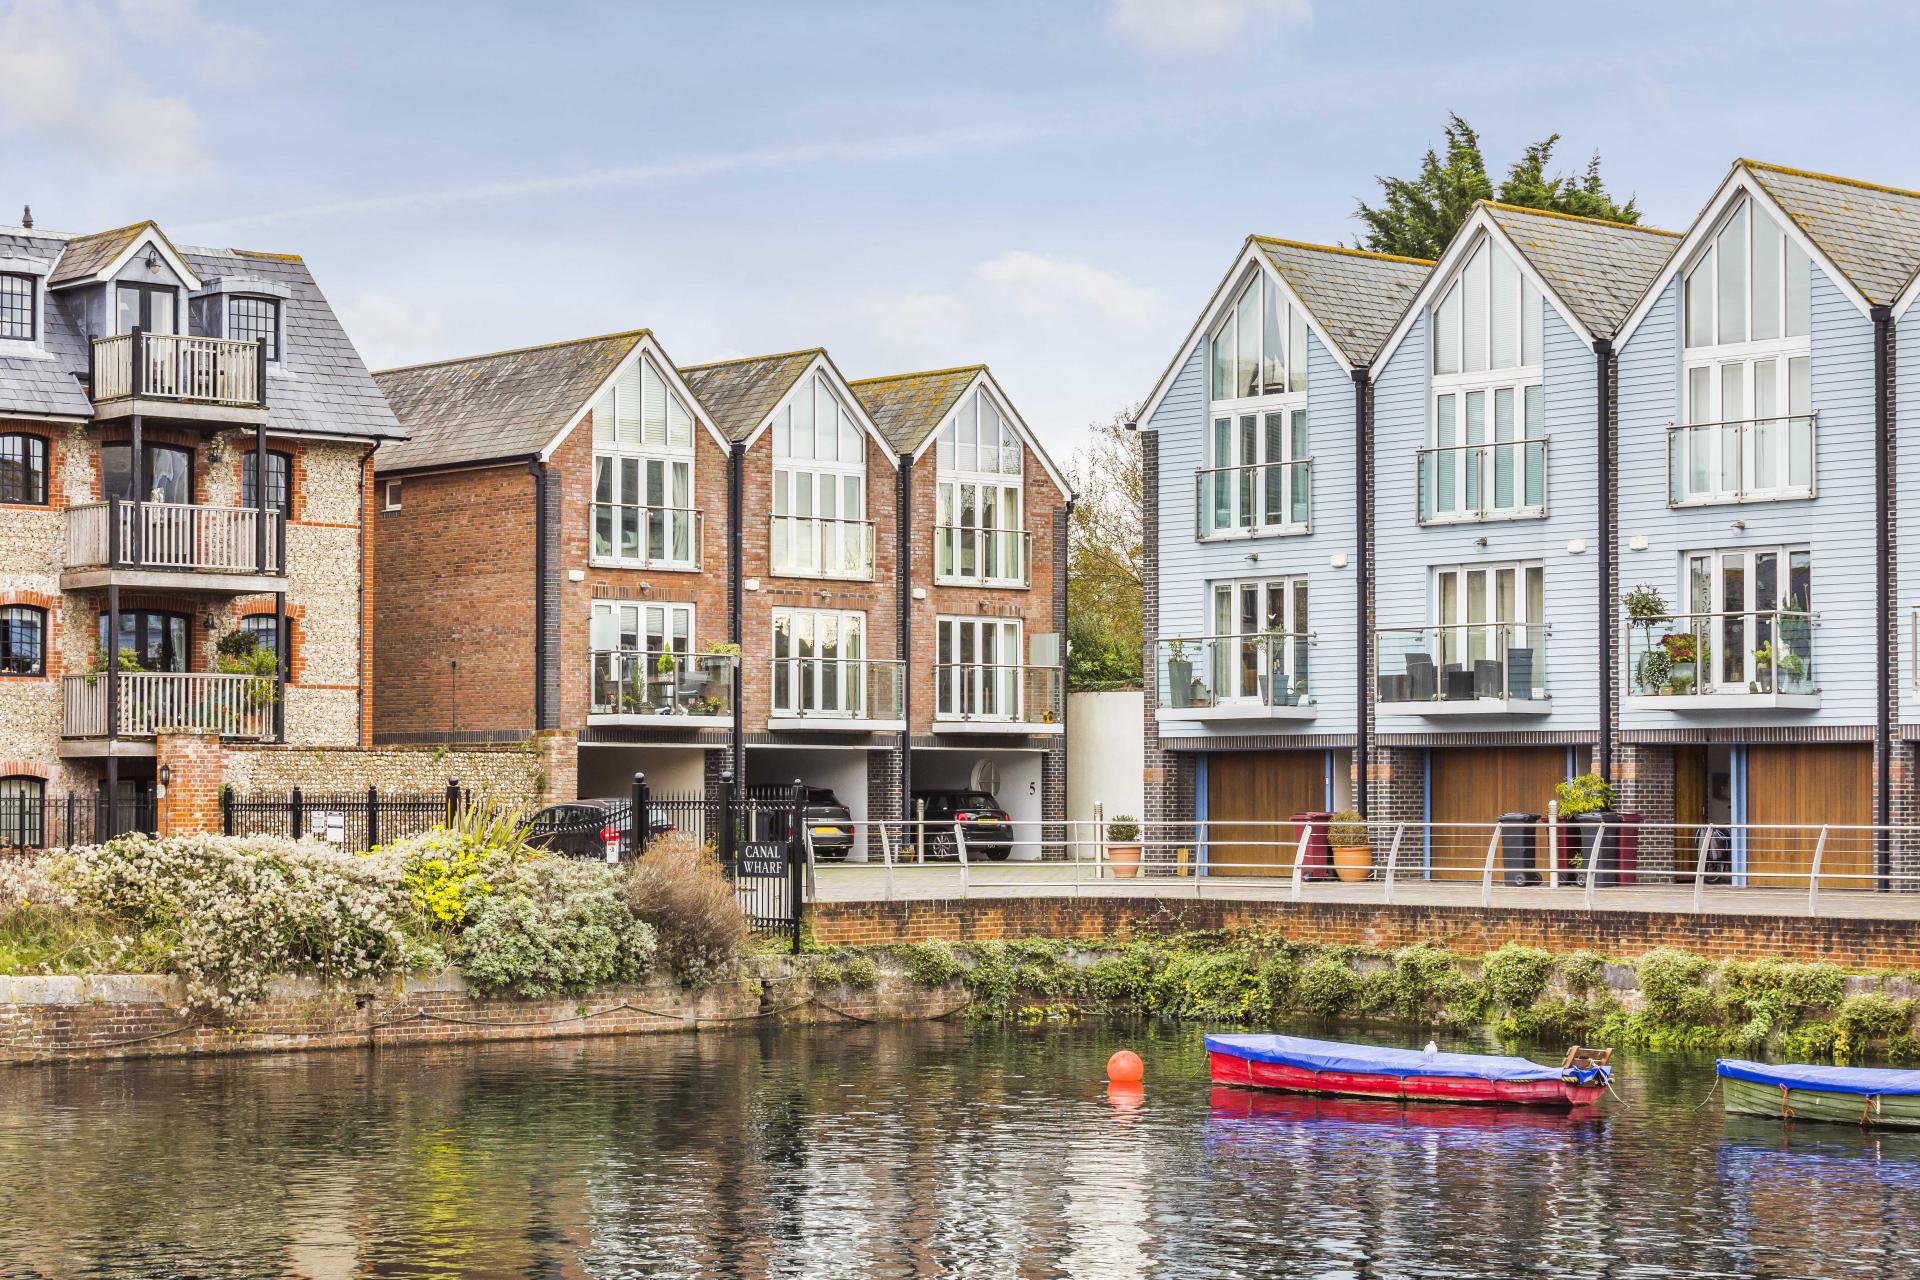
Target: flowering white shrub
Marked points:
551	925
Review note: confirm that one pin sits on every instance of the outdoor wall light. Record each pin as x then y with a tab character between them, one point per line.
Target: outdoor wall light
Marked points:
166	774
1480	541
209	623
1739	524
751	584
1576	546
153	261
1338	560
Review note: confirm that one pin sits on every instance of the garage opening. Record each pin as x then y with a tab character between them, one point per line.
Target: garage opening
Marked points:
843	772
1248	793
1807	787
1012	777
1474	786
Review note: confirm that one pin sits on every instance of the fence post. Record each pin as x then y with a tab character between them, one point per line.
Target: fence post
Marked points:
373	816
920	831
960	846
1100	839
1300	861
886	853
640	818
1593	861
1702	847
1393	859
793	862
1813	876
1486	872
726	818
296	814
226	811
453	800
70	818
1553	844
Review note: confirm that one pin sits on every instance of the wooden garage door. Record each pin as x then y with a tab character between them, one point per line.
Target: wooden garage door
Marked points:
1475	786
1247	791
1809	786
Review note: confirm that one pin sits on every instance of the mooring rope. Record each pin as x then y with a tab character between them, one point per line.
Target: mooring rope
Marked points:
1711	1090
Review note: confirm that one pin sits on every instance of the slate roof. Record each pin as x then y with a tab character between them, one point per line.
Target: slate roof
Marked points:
1871	233
506	405
1598	268
320	385
908	407
739	394
1356	296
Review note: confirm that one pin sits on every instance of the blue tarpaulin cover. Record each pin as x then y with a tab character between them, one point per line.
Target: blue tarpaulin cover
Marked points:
1799	1075
1329	1055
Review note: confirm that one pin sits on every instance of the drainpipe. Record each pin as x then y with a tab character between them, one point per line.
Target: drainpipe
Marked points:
903	572
1063	558
1603	426
1362	585
736	606
1882	608
541	574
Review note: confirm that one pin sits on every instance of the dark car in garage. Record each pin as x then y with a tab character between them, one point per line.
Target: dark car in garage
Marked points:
830	824
593	829
989	830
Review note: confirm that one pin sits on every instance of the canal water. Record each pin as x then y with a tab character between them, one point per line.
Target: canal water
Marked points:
929	1150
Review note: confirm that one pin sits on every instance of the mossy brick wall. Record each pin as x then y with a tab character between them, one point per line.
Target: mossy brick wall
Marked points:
1853	944
540	767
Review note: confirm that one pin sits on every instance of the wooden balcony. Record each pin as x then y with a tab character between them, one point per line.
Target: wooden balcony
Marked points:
153	702
174	545
175	376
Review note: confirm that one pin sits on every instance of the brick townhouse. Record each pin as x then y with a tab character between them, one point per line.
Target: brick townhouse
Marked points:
691	566
185	446
1580	495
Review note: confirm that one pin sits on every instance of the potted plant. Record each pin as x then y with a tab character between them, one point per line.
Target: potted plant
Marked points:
1123	847
1583	801
1682	647
1650	674
1179	675
1352	854
1762	669
240	653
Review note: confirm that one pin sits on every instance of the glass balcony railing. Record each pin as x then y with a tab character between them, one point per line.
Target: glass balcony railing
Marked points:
1263	498
1503	480
1690	655
1461	664
631	682
988	693
839	688
1202	672
818	547
648	537
964	554
1746	460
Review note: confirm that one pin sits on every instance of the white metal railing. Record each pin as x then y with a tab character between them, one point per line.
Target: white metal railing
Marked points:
1011	693
820	688
1258	498
650	537
1682	655
1741	460
821	547
170	366
1496	480
1267	670
966	554
1607	863
1462	662
171	535
632	682
150	702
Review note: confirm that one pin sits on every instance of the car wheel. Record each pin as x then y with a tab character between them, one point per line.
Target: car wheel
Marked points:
996	855
943	847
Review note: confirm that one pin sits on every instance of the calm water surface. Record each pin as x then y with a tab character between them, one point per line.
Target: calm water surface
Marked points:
902	1151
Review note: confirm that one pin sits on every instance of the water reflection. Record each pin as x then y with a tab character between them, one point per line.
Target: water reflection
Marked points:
904	1152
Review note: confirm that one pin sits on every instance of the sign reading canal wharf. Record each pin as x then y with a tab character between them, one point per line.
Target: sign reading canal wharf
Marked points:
765	859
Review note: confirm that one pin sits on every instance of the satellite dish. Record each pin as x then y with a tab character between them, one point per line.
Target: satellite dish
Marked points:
986	777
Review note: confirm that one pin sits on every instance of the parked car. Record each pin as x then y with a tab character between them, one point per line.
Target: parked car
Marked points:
988	826
595	829
831	824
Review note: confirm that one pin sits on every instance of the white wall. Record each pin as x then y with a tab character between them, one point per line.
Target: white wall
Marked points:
843	771
607	771
1106	753
1019	792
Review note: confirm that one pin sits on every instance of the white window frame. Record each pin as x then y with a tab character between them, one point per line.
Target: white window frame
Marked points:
805	542
816	685
1716	561
1238	674
1464	634
1243	489
998	548
973	689
638	439
393	496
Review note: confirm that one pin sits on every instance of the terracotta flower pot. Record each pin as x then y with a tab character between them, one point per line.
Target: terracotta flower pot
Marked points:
1353	863
1123	860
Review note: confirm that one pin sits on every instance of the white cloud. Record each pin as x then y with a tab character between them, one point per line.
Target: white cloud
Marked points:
1038	282
68	84
224	54
1195	28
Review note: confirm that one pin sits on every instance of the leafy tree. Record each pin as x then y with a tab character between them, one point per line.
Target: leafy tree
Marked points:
1104	552
1419	215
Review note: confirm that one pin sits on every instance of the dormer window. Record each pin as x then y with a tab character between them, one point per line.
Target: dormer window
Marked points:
17	314
251	318
643	512
149	307
980	535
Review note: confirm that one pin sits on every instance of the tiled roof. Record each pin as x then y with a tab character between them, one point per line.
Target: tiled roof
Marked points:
1356	296
907	407
1599	269
87	255
37	384
506	405
739	394
1871	233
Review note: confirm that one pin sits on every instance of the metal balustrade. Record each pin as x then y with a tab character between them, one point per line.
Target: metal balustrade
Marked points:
1495	480
968	555
1741	460
1678	660
1204	673
651	537
660	684
1254	499
825	689
1465	667
987	693
820	547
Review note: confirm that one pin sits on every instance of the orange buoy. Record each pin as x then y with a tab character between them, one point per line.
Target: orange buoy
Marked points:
1125	1067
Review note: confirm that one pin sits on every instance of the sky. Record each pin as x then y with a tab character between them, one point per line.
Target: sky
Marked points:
1052	187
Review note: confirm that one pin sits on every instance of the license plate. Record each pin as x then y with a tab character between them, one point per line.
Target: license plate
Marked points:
986	822
826	831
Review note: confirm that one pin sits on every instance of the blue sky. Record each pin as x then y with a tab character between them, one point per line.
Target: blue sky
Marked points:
1053	188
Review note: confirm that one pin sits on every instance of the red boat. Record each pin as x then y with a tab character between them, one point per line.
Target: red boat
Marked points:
1299	1065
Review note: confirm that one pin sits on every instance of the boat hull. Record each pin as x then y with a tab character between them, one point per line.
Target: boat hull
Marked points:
1247	1073
1886	1111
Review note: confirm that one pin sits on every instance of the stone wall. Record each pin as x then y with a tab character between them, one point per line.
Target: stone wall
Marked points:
540	767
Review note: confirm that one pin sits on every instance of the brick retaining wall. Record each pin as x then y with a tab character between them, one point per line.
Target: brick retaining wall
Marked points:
1854	944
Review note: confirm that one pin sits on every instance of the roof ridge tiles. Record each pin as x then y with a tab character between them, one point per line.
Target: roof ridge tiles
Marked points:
515	351
1827	177
1579	217
1341	249
923	373
775	355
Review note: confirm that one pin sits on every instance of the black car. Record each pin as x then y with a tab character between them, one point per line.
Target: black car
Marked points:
595	829
989	829
831	824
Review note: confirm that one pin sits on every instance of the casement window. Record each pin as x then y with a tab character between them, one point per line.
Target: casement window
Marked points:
643	512
19	315
251	318
980	527
23	640
158	639
820	487
637	627
23	813
1747	429
279	480
154	308
394	489
1490	623
641	661
1486	453
261	627
23	468
169	471
819	662
1260	640
978	669
1750	610
1258	473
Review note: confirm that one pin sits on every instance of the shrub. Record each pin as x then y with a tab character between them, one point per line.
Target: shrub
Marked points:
1123	830
932	964
554	925
1124	977
1673	987
1584	972
860	972
1209	985
449	869
826	972
1588	793
679	888
1327	987
1430	985
1516	976
1347	830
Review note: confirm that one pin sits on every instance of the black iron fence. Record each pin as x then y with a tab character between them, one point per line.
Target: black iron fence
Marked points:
758	840
32	822
356	821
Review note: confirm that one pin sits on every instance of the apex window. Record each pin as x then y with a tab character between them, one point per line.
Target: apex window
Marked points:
820	487
643	512
1258	472
980	533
